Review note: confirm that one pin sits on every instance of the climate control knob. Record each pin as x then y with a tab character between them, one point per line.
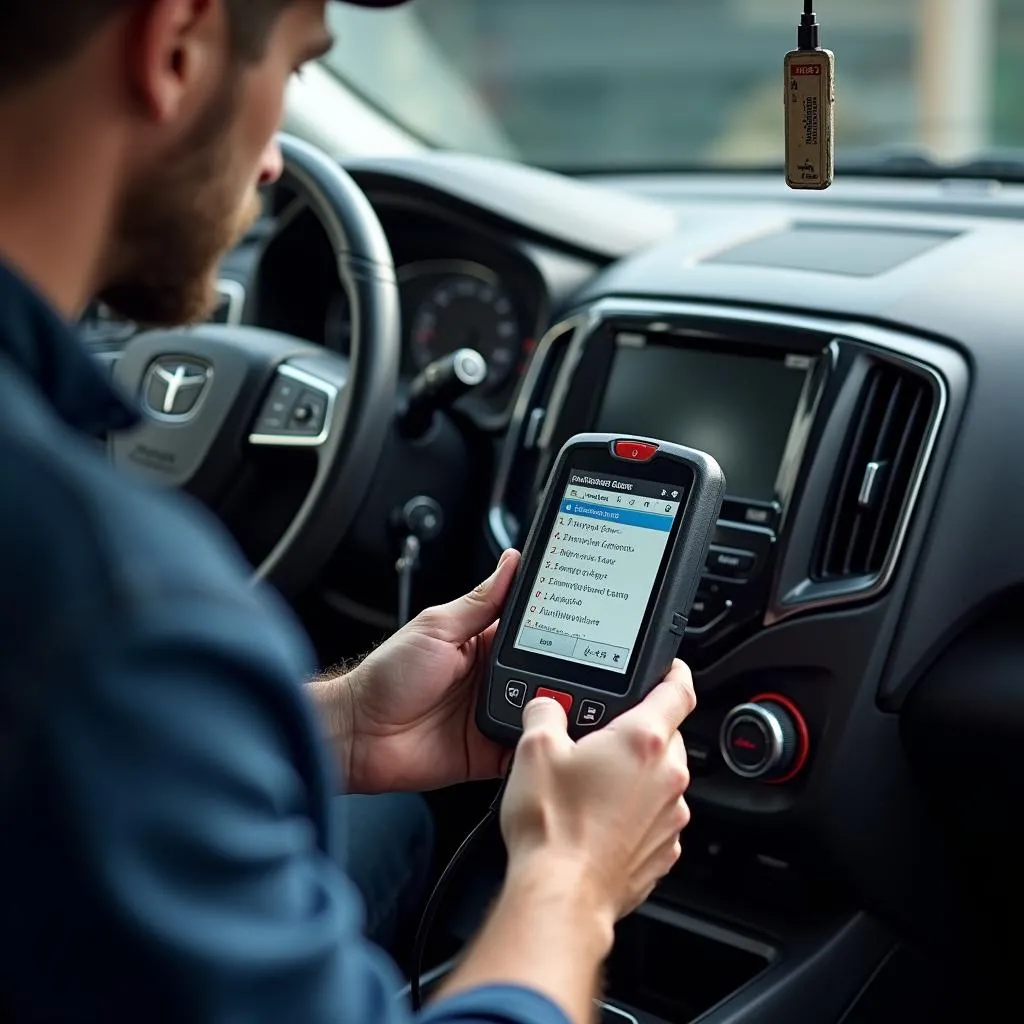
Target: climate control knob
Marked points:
765	739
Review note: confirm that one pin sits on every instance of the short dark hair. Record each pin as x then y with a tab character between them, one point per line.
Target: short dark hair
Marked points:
38	34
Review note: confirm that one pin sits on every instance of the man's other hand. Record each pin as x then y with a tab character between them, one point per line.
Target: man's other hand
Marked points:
607	810
410	705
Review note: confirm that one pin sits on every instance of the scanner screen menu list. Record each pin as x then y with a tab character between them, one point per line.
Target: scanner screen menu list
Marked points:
597	569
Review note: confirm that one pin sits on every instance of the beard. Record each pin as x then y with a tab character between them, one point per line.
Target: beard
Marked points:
176	222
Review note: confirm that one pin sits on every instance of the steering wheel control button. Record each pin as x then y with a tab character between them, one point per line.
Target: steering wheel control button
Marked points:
309	414
635	451
284	391
734	565
270	423
678	624
590	714
765	739
564	699
277	409
515	693
296	411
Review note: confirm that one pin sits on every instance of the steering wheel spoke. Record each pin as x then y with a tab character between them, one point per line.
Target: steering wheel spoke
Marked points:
304	404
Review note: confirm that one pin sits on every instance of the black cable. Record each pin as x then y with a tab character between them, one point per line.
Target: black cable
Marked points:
808	35
438	893
405	567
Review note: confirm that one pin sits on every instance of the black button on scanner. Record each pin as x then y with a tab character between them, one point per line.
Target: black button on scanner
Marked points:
515	693
591	712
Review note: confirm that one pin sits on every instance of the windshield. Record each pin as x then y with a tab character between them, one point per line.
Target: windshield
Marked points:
591	85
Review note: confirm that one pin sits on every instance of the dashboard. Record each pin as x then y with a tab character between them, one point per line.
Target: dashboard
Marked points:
854	360
459	288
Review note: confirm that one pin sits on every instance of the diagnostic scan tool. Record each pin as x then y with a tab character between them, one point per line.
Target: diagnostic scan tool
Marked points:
608	575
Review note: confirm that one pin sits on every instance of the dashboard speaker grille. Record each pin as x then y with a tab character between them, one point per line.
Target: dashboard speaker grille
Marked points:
884	449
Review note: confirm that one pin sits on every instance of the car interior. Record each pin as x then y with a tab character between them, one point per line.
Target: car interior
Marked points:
852	357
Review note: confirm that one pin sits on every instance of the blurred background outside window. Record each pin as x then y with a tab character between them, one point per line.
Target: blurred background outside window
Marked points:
672	84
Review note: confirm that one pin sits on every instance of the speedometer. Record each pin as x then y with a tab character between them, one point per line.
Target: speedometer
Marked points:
467	310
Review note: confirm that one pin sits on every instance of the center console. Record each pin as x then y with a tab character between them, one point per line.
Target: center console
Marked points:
825	433
801	418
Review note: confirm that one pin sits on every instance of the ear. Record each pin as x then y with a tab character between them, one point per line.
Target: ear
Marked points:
178	49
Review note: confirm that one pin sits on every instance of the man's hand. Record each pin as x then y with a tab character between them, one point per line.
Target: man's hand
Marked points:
611	804
590	829
407	712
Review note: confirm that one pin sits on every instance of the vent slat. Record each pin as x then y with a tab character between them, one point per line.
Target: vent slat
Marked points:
883	438
831	550
876	476
851	547
898	485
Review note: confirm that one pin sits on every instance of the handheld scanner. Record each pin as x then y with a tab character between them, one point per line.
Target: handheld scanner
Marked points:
608	575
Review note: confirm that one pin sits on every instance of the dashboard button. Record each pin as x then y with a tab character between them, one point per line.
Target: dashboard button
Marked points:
753	513
707	608
635	451
748	745
736	565
563	698
759	515
698	754
765	739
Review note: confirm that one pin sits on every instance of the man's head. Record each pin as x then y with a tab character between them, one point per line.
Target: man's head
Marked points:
183	98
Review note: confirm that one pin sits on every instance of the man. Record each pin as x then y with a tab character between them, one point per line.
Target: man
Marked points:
164	834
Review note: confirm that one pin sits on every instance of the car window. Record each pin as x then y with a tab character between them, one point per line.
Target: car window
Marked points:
641	84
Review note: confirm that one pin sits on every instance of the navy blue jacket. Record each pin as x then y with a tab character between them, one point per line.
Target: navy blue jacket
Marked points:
165	848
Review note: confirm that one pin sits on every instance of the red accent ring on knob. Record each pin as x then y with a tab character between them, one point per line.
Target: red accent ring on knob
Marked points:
802	733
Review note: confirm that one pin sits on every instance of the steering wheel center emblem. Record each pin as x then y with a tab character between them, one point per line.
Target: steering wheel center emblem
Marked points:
173	387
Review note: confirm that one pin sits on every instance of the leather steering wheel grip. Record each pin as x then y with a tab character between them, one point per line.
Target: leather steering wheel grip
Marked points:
366	271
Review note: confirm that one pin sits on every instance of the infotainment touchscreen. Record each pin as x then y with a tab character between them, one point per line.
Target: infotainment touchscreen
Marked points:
740	408
600	561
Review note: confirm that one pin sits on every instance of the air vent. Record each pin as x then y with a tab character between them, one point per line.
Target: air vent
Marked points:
877	477
514	498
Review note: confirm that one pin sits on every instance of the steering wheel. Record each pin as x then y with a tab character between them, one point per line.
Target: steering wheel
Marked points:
213	393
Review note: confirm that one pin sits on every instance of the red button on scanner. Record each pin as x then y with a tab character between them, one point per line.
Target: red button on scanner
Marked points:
635	451
563	698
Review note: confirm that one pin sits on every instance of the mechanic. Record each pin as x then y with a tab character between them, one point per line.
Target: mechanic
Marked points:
166	772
